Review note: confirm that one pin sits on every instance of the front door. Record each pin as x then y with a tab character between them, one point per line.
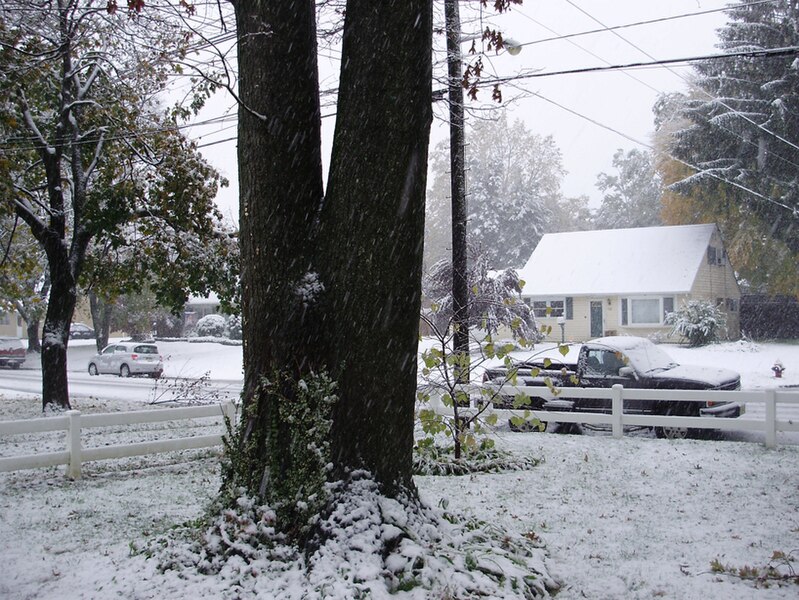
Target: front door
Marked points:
596	318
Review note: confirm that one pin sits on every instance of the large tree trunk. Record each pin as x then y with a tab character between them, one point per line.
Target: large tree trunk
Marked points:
55	335
375	202
280	181
281	193
335	284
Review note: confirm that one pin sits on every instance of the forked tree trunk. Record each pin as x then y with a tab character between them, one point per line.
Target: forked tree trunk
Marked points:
334	284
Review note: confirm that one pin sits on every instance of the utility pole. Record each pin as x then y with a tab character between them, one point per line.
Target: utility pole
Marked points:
460	284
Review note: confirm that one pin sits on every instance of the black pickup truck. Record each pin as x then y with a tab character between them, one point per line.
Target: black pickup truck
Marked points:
633	362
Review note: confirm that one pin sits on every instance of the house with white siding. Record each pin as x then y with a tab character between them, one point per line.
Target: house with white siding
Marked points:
624	281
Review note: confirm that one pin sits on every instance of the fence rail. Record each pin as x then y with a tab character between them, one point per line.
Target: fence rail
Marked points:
617	418
74	424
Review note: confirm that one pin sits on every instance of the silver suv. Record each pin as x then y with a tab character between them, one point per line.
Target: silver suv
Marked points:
128	358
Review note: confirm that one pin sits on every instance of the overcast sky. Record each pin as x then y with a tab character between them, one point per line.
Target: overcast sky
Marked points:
619	100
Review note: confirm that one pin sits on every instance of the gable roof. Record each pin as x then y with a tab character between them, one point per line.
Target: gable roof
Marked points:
646	260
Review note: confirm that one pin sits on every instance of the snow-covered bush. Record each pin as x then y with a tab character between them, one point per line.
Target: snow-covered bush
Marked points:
234	327
698	321
211	326
495	300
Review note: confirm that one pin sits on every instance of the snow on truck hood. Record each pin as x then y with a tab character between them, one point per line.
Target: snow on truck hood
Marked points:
711	375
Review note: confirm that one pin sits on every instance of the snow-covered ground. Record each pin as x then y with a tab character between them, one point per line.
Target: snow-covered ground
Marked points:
631	518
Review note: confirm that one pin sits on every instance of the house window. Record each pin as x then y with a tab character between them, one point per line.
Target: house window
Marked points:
549	308
4	320
668	306
716	256
645	311
732	305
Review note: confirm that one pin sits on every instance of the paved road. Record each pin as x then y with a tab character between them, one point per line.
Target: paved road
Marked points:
81	384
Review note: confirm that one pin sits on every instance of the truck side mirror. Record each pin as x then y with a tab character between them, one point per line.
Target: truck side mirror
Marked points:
627	372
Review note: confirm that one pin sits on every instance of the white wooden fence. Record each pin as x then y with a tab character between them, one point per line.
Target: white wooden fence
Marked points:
770	423
74	423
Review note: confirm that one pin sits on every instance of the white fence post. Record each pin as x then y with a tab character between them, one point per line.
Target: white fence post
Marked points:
771	418
230	413
73	444
617	406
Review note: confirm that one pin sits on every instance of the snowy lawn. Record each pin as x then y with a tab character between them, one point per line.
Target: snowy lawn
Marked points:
631	518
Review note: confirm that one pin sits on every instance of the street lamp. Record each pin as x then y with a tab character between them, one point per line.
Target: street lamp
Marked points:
512	46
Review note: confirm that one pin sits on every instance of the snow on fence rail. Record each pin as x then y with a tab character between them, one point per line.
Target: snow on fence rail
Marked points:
770	424
74	423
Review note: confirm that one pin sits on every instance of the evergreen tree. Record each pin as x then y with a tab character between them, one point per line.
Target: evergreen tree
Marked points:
742	126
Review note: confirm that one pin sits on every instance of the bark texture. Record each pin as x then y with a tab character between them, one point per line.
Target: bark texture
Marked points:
374	216
281	194
333	283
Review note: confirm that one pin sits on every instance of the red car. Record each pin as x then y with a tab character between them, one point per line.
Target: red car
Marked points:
12	352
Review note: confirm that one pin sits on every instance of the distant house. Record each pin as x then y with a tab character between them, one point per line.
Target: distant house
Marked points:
12	325
624	281
198	307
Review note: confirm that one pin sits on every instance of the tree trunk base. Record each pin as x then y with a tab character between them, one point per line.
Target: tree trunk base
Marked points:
364	544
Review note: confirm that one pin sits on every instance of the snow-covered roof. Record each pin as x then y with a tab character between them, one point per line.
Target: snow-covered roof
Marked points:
646	260
211	298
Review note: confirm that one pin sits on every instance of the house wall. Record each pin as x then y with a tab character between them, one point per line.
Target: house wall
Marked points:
578	328
12	325
716	283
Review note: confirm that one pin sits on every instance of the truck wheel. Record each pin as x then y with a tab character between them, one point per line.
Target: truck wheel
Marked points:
671	433
92	369
567	428
528	427
16	365
124	371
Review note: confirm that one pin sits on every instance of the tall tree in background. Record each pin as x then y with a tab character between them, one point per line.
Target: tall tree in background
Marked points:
631	198
573	214
77	116
741	128
764	264
513	188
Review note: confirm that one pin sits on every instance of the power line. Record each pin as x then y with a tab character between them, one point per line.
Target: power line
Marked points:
719	100
765	53
655	150
567	36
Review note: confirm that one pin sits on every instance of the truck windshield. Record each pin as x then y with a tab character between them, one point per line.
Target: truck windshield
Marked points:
646	357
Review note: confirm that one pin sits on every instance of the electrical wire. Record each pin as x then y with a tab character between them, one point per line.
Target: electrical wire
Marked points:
661	153
567	36
719	100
